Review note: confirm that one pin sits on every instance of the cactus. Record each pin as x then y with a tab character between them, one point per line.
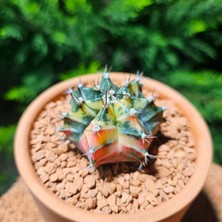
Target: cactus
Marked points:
112	124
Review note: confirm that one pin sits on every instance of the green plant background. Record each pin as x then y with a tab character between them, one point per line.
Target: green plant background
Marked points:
42	42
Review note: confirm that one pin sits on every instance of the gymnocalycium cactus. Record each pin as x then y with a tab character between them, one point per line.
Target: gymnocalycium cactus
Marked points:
112	124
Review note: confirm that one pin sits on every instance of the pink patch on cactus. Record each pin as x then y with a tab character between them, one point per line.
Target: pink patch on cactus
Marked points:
68	133
115	153
96	139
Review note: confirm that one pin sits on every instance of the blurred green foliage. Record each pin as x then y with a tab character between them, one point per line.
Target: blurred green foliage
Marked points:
45	41
204	90
6	135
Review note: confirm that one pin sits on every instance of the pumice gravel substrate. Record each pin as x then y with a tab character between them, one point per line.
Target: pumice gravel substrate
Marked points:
114	188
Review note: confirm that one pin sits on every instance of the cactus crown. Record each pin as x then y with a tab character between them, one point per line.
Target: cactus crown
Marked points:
112	124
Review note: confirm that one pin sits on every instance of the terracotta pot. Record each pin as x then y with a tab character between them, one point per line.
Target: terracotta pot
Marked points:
55	209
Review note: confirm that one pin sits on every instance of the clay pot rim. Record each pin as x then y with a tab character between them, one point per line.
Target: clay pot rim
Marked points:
26	169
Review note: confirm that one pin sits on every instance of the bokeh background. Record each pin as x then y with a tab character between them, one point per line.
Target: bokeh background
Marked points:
178	42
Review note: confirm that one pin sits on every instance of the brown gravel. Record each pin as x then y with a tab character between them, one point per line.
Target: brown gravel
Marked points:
113	188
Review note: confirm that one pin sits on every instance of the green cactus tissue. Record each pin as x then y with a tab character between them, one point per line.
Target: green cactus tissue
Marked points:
111	124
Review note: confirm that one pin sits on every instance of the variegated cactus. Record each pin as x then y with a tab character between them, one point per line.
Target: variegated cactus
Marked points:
112	124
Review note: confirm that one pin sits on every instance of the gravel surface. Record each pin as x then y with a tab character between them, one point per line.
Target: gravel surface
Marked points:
113	188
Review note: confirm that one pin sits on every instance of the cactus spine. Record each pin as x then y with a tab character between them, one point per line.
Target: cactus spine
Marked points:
112	124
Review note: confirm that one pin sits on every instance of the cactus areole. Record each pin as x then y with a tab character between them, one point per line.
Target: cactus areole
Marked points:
111	124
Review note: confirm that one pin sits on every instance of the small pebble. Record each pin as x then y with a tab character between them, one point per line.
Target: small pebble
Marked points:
135	191
78	183
71	188
102	203
111	200
91	203
51	156
106	210
54	177
168	189
124	198
92	192
111	188
90	181
39	155
150	184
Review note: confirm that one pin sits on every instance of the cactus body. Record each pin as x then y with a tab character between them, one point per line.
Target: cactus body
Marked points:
111	124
